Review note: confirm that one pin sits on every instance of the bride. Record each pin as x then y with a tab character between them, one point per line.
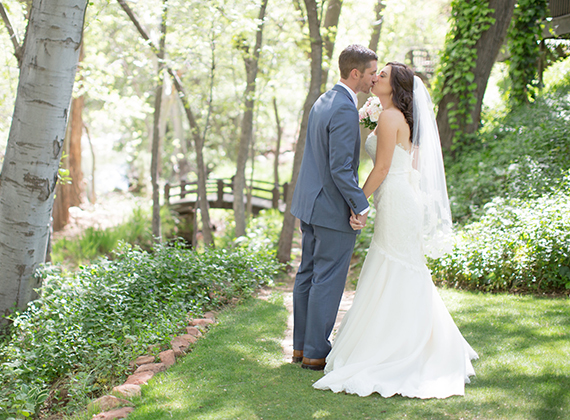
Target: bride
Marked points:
398	337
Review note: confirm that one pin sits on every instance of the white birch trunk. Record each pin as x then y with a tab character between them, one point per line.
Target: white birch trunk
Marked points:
29	172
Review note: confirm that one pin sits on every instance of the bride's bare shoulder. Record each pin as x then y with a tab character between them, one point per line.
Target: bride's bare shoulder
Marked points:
391	117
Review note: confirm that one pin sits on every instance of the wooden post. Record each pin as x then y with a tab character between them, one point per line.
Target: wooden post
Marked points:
275	200
167	193
220	192
182	189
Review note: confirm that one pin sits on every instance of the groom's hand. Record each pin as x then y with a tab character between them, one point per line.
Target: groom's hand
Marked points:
358	221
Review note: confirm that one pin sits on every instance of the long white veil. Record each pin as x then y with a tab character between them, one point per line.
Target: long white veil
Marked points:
428	160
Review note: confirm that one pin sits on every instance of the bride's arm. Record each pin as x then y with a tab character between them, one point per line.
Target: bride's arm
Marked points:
387	133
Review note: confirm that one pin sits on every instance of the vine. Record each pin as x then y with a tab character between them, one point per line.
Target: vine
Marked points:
455	77
524	35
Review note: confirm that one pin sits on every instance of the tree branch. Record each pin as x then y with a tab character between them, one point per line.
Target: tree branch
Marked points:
13	36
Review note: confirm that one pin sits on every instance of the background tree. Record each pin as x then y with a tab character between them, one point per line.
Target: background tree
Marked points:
286	237
478	31
29	172
251	61
155	155
524	39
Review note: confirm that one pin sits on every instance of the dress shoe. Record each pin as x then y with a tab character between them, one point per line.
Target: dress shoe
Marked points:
313	364
297	356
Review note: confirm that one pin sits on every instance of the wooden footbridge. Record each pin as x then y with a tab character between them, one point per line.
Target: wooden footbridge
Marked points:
183	197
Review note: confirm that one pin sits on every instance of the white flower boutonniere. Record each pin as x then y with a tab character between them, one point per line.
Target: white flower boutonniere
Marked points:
369	113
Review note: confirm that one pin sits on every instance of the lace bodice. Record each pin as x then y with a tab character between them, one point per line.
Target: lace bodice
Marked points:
398	221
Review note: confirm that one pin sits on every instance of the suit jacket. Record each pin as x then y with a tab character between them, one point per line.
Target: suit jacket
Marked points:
327	187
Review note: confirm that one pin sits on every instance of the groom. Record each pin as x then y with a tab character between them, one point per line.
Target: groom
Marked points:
325	196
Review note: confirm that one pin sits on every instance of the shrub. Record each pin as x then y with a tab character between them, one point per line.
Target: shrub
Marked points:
517	245
522	155
77	339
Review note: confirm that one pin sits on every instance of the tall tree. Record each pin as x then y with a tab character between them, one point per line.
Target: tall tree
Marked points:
471	48
377	25
330	29
29	173
201	168
373	45
286	237
71	193
155	155
251	61
277	145
18	48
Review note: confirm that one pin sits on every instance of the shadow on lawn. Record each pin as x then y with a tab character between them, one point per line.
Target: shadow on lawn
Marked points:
236	371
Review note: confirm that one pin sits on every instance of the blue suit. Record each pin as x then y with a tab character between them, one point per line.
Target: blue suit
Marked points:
327	189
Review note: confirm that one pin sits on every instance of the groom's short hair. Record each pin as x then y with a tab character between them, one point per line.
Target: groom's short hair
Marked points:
355	57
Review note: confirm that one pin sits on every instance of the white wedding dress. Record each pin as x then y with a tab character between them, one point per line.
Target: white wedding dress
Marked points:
398	337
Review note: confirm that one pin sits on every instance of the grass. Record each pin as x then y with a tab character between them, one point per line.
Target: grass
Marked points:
237	370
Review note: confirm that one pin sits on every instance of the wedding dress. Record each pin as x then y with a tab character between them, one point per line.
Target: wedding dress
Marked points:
398	337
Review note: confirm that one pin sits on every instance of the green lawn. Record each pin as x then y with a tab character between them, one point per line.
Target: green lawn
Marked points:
237	370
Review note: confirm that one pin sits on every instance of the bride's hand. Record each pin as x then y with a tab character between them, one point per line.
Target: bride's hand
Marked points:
355	223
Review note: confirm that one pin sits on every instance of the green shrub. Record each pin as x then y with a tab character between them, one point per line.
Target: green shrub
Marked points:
96	242
517	245
522	155
77	339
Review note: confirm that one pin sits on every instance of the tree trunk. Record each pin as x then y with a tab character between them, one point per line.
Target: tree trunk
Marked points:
70	194
208	240
487	50
92	196
155	154
74	160
373	45
251	61
61	201
286	237
330	29
377	25
18	49
35	142
277	146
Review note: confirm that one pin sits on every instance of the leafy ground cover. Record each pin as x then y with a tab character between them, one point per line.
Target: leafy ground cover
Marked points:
517	246
237	371
77	339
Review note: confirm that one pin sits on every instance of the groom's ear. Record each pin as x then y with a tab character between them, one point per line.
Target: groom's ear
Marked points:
355	74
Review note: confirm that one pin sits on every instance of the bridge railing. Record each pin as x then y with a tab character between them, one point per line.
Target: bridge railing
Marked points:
260	189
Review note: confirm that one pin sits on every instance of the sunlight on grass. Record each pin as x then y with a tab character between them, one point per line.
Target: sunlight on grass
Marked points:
237	370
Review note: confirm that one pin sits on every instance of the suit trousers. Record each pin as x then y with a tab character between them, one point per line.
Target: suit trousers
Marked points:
319	284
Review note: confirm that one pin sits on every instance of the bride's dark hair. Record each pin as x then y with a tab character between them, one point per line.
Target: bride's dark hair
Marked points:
402	82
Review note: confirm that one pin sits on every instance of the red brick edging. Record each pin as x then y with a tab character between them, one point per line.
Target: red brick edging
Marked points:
146	368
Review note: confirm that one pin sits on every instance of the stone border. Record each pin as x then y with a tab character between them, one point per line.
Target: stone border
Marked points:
114	407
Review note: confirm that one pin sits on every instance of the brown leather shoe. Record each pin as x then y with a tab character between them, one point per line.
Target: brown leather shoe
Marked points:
297	356
313	364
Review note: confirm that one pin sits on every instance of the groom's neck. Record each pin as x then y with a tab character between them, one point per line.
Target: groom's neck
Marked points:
350	83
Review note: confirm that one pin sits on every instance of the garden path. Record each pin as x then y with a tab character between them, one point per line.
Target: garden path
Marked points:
287	289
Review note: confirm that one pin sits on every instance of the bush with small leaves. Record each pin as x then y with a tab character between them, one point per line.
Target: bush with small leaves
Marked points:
77	339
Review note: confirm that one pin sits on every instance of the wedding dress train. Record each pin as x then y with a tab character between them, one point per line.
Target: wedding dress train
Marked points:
398	337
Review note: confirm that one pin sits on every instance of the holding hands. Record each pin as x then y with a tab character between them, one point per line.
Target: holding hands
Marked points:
358	221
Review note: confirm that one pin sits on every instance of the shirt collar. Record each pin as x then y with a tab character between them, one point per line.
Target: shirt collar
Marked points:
352	94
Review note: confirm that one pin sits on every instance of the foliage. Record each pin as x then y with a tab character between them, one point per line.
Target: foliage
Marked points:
517	245
510	190
261	234
455	73
79	337
523	154
95	242
240	372
524	33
